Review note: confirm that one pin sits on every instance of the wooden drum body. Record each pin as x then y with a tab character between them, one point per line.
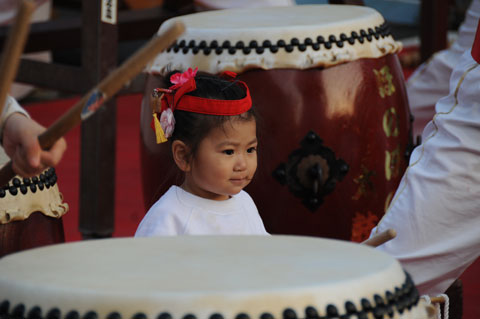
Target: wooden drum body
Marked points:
335	124
30	213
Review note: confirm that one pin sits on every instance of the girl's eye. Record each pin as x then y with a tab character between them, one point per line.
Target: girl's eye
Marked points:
228	152
251	150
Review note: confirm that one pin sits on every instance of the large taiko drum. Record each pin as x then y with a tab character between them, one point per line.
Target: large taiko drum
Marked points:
207	277
30	213
335	123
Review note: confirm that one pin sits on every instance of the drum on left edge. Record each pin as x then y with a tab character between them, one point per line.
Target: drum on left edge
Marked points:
31	211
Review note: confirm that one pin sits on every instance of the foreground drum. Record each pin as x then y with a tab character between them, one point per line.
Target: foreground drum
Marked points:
334	136
203	277
30	213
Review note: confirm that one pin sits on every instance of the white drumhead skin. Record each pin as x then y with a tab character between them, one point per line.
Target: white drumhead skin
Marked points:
200	275
302	22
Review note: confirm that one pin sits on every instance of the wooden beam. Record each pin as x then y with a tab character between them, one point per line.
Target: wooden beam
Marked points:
58	77
352	2
64	33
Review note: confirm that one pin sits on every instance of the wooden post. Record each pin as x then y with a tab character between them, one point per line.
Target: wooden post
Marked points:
433	27
98	134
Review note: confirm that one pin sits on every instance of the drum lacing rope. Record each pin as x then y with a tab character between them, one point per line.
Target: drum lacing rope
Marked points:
246	47
437	305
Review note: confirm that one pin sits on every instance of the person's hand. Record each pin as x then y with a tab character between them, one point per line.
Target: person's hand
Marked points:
20	141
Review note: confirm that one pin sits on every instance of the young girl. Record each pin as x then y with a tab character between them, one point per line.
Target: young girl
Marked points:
211	125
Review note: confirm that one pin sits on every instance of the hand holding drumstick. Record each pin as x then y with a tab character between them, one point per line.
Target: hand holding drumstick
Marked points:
105	90
21	144
19	132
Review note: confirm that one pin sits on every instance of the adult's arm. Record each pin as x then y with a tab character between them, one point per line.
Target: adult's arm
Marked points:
436	209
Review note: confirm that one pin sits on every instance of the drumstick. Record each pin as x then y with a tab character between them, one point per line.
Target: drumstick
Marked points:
381	238
17	37
439	299
90	102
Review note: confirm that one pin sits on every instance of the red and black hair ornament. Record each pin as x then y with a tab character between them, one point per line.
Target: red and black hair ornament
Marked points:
166	101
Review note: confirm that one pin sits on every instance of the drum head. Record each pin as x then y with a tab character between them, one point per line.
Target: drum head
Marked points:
207	276
299	37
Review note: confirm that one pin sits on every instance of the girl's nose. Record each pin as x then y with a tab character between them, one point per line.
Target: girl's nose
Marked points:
240	163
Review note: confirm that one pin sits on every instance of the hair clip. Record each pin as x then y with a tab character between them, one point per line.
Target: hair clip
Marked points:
178	79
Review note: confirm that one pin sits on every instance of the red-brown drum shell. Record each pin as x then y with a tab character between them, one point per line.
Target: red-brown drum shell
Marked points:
360	111
35	231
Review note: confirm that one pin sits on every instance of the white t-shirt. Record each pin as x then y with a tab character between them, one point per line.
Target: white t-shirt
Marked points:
179	212
436	209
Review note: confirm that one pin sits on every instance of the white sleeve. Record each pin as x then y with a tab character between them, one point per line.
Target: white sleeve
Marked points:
429	82
157	222
165	218
436	209
11	106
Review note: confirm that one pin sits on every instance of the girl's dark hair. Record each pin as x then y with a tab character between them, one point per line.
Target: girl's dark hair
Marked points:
191	127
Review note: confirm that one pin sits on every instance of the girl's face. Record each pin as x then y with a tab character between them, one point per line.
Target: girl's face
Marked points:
225	161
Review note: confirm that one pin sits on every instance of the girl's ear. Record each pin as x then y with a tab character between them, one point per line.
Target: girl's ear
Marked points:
181	155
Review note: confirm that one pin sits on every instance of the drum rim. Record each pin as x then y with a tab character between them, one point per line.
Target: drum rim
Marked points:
22	197
299	47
